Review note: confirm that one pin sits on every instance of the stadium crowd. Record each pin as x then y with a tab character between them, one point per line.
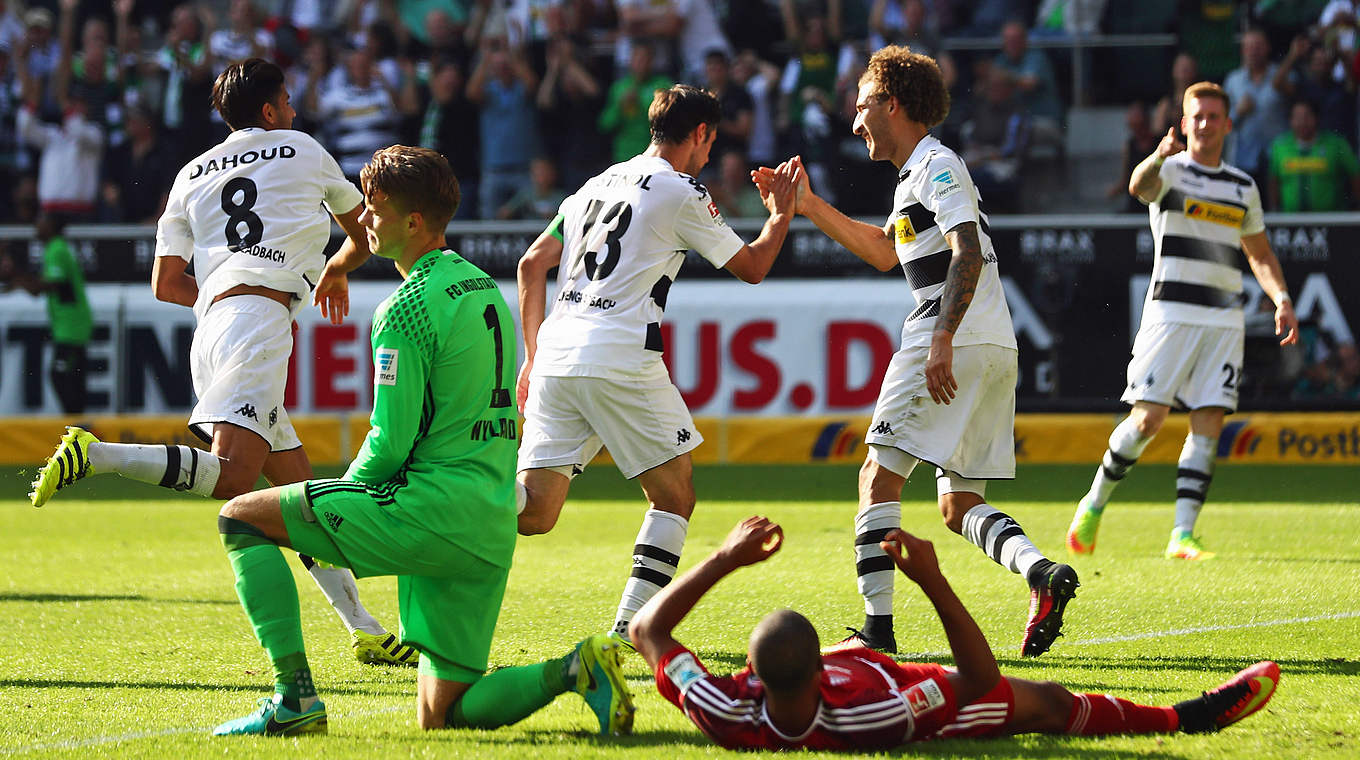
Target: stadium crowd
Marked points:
100	103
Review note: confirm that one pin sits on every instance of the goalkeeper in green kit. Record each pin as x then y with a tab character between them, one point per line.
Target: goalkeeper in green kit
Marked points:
430	497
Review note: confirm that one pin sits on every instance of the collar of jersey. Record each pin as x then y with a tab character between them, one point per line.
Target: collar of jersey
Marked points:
816	721
241	134
923	147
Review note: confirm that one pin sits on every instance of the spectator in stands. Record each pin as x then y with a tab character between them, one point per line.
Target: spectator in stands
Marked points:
625	110
1312	170
1068	18
1142	140
995	141
450	125
655	24
1033	78
93	73
1209	31
138	174
759	78
990	16
503	85
808	93
186	67
359	113
1259	112
68	166
570	98
733	190
902	22
540	198
39	50
1346	380
1168	111
738	110
11	28
14	160
1307	73
242	38
306	79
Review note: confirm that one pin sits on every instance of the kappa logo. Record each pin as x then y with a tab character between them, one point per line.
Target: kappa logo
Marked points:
248	410
682	435
882	428
333	520
1214	213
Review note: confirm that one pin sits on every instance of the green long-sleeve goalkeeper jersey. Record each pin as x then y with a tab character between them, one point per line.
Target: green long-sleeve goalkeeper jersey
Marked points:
441	451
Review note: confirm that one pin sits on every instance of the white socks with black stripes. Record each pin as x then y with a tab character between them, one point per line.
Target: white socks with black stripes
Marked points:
182	468
1001	538
1126	445
1193	473
656	555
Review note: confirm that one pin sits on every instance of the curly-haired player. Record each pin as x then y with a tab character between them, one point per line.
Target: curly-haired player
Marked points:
948	397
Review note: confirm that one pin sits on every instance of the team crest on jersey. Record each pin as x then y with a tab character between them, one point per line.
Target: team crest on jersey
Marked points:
1213	212
944	183
903	232
385	367
683	670
924	697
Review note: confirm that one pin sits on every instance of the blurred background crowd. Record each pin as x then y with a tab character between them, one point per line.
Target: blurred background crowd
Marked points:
101	102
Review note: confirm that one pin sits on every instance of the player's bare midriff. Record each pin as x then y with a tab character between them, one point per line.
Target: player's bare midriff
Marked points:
282	297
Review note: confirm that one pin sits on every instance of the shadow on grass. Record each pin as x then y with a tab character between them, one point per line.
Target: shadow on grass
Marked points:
38	597
57	683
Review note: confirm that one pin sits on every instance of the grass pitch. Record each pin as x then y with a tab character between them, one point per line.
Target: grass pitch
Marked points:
124	637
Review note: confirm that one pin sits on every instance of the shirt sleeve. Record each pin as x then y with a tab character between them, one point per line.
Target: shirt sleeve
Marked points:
701	226
400	374
57	262
948	192
174	236
1168	173
339	194
931	700
677	672
1254	220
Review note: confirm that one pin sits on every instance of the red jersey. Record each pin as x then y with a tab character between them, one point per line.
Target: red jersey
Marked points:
868	702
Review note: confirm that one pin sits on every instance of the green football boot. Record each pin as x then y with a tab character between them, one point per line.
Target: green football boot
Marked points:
69	463
273	719
383	649
1185	546
599	680
1081	534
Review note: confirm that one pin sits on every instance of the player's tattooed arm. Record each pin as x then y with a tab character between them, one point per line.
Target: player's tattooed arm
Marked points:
965	266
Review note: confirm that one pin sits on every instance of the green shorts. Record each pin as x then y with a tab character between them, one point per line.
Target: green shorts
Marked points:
449	599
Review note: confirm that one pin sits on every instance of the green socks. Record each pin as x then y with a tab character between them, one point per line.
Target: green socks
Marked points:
265	587
510	695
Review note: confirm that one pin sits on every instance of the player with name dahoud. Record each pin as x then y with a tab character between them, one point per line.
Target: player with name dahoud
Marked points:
249	214
948	396
1188	351
593	373
430	498
791	695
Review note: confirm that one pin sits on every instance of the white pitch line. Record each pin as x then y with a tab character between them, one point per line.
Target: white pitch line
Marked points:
98	740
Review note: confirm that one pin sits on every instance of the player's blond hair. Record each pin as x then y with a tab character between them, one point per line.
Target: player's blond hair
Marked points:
416	180
1206	90
913	79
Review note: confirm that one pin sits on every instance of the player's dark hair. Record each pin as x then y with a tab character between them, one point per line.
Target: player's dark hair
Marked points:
785	652
1207	90
242	89
416	180
679	110
913	79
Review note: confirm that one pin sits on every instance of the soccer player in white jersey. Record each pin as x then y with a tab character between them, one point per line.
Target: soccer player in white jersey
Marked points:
948	397
249	214
593	373
1188	351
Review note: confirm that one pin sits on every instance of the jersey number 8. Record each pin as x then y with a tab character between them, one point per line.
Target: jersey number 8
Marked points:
240	213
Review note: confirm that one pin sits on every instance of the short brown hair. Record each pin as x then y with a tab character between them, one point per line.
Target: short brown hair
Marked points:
678	110
416	180
914	79
1207	90
243	88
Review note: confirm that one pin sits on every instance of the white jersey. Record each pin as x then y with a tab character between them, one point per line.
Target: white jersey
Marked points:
1198	221
250	212
934	194
624	237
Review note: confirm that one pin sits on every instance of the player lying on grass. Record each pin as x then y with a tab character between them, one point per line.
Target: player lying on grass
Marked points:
430	498
851	698
250	215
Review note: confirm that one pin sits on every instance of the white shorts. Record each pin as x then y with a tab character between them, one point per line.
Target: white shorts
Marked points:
973	435
1185	366
567	419
239	361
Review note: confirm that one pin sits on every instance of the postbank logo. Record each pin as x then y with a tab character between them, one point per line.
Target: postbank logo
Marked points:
903	232
1238	440
837	440
1214	213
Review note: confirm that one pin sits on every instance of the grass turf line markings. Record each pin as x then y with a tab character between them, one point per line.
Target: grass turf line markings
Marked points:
1211	628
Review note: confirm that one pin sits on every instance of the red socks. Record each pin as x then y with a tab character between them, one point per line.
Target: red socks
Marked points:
1097	714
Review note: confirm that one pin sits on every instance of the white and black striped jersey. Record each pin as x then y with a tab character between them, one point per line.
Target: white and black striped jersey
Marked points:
359	121
935	193
1198	221
252	211
624	237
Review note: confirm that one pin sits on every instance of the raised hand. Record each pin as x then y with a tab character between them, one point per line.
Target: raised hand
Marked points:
1170	144
332	295
915	557
753	540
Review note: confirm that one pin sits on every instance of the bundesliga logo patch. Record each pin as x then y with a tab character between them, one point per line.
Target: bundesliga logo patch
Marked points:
713	212
944	183
385	367
683	671
924	697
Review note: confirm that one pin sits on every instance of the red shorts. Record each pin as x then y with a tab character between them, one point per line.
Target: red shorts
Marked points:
985	716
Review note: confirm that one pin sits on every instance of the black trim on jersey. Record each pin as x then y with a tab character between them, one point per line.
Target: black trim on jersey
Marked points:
928	270
982	222
1200	249
310	285
903	173
1199	295
1224	174
1175	200
660	291
928	308
921	217
654	340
